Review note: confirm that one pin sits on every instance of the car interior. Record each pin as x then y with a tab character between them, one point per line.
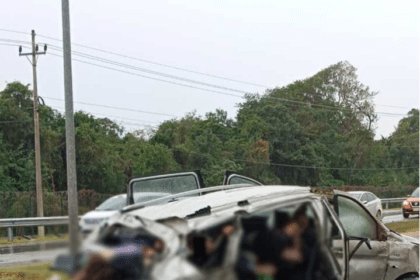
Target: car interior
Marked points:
281	244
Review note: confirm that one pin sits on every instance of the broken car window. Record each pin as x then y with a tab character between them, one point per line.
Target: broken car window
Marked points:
240	180
172	185
356	221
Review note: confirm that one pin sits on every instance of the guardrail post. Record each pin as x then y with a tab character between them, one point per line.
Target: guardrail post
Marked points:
387	205
10	233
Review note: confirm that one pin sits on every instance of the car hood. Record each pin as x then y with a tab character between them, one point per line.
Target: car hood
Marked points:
413	199
396	236
411	239
98	214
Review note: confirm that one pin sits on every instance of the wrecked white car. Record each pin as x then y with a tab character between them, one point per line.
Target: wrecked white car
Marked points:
245	232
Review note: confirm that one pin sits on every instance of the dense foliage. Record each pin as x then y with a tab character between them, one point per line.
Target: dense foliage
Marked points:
325	137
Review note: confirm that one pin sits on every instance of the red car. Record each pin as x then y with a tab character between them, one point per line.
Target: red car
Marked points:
411	204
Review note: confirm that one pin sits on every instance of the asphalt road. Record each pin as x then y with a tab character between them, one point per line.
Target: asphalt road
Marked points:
31	253
398	218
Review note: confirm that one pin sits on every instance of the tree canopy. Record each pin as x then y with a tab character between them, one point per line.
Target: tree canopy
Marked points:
318	131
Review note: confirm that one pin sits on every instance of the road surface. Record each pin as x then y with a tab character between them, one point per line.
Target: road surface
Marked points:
31	253
398	218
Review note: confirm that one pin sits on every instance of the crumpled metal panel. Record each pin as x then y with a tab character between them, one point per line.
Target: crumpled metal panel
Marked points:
403	256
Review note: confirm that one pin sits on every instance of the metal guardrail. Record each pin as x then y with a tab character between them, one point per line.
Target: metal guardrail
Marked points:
27	222
390	200
36	221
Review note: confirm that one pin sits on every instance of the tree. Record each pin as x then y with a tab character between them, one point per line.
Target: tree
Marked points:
309	124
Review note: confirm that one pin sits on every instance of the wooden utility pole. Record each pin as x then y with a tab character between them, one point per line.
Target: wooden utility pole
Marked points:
39	194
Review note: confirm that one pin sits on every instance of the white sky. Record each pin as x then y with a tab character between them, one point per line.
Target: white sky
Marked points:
271	43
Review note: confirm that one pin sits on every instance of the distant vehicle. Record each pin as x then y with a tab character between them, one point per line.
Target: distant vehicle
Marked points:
371	201
411	204
111	206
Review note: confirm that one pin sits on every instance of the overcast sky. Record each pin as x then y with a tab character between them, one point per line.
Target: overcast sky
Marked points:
270	43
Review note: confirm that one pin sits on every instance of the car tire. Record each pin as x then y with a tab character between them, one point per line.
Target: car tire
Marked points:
408	277
379	215
406	215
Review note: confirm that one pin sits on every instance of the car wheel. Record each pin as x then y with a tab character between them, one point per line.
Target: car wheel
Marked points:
406	215
378	215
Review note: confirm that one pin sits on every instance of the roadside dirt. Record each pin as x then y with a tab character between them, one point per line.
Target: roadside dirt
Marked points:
412	234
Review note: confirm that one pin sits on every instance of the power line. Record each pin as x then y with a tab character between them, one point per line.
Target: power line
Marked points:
160	64
182	69
13	45
169	66
224	93
154	72
150	71
304	166
15	41
132	124
16	121
217	134
170	82
106	115
197	82
220	134
14	31
205	84
118	108
28	108
135	124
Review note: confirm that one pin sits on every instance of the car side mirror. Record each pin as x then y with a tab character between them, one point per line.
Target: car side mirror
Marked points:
408	195
364	202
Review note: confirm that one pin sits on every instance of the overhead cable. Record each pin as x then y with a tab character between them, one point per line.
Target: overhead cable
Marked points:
159	64
169	66
219	92
304	166
118	108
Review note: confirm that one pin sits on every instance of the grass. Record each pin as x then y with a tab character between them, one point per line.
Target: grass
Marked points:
29	272
406	226
22	240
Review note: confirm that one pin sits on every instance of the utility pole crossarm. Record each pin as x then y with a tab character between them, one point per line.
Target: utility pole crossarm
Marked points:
26	54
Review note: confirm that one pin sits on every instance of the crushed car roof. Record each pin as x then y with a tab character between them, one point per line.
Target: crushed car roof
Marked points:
219	200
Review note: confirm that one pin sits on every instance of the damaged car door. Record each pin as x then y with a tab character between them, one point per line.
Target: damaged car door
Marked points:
369	260
232	178
167	183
